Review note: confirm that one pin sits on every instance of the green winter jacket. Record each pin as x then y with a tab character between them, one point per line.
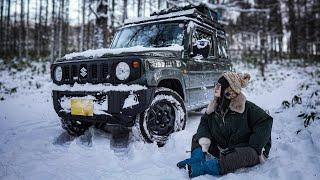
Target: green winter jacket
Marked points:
244	125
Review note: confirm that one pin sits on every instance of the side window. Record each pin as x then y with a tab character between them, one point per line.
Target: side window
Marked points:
222	47
202	43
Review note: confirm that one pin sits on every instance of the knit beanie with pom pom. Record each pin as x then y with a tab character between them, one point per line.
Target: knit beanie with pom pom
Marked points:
237	80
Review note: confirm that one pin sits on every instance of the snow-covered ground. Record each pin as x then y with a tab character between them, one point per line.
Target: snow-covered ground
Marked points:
34	146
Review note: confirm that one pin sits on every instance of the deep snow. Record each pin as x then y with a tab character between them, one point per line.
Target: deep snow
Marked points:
34	146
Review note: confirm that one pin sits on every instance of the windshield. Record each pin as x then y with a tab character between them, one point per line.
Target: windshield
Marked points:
150	35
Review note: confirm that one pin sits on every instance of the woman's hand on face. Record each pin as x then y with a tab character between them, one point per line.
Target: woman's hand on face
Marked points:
217	89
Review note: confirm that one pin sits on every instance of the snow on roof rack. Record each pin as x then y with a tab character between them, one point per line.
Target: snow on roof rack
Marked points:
200	12
202	9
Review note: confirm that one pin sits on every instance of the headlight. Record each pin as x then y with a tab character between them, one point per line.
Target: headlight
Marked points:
58	73
122	71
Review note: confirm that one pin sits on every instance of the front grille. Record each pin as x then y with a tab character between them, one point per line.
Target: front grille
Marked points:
105	71
93	72
85	72
66	73
74	72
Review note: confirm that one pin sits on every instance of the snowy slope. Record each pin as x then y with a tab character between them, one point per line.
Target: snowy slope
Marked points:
33	146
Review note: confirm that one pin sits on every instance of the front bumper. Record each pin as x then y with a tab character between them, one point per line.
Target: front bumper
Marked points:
117	110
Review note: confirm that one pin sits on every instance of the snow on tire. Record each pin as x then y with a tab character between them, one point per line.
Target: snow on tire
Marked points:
166	114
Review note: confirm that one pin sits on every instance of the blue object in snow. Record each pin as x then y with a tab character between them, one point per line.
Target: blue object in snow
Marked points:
211	167
196	156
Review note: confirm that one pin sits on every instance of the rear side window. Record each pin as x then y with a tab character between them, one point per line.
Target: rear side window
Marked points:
222	47
200	35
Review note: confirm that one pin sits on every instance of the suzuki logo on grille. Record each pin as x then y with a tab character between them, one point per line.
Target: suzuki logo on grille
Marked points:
83	72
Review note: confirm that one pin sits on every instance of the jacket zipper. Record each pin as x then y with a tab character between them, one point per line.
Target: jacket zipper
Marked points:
223	119
223	115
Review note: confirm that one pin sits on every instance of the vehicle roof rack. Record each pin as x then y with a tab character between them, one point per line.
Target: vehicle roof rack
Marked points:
201	12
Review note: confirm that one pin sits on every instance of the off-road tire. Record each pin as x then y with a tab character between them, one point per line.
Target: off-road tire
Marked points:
167	102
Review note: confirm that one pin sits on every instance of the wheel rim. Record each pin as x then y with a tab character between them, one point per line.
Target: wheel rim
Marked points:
161	118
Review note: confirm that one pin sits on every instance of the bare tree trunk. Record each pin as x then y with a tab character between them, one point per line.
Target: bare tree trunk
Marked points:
88	35
1	27
125	12
139	8
57	24
46	30
39	37
144	8
292	28
53	31
159	4
22	32
47	12
112	17
61	18
280	47
150	6
78	29
102	31
66	28
8	27
15	29
27	30
35	44
83	24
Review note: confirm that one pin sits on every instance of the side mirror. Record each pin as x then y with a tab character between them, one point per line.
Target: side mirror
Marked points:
201	47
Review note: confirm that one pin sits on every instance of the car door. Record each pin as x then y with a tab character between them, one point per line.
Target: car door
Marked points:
202	71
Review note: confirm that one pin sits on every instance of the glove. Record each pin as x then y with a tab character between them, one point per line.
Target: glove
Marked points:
196	156
211	167
205	144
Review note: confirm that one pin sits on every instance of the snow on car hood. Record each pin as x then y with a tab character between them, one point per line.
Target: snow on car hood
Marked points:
117	51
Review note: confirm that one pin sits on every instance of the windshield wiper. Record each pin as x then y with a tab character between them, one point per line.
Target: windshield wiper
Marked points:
162	45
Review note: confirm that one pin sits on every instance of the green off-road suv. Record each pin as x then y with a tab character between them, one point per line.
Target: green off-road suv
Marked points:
155	70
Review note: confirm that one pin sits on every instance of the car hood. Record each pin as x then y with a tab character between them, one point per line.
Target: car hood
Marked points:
172	51
160	53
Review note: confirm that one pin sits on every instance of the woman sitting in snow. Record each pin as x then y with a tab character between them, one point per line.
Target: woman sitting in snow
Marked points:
235	131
